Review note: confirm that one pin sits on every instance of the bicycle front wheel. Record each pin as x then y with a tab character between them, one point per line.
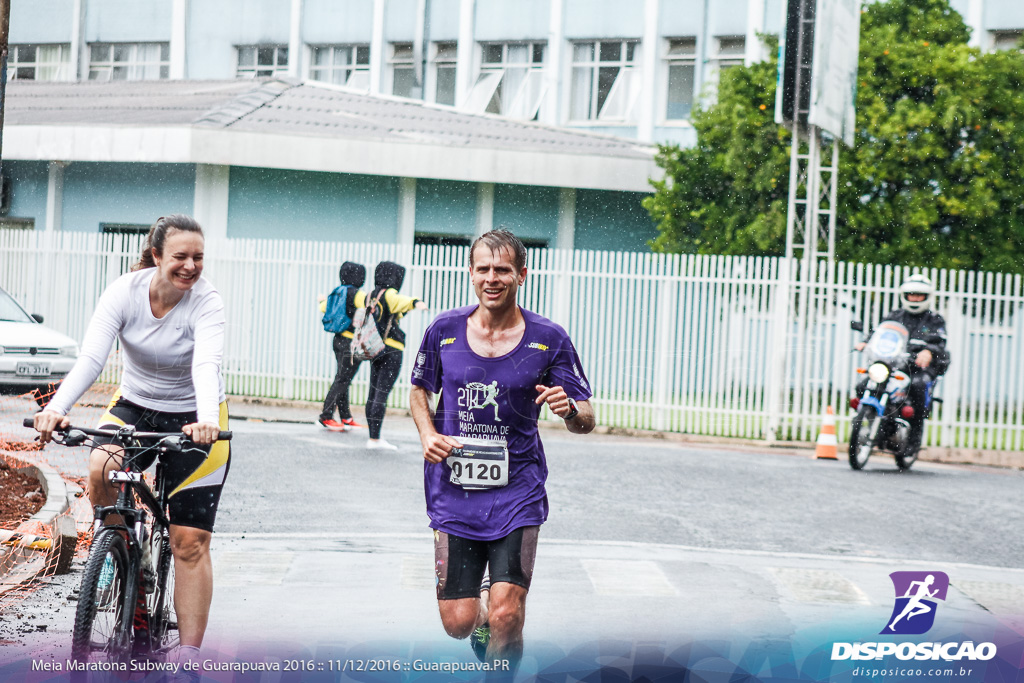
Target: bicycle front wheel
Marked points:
163	623
106	602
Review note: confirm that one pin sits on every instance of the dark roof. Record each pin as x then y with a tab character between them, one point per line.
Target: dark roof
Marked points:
290	107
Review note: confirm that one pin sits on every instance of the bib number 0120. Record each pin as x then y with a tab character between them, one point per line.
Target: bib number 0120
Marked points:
479	464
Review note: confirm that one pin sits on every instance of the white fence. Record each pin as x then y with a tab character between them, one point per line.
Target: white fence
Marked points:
732	346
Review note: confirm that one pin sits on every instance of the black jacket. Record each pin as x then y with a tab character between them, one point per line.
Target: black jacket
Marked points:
929	327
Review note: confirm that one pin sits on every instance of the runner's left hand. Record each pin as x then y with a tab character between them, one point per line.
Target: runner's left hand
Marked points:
555	397
202	433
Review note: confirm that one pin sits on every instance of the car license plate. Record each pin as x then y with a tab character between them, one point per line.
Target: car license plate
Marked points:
32	370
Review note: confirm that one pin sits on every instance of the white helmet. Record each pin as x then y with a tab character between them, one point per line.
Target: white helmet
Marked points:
917	284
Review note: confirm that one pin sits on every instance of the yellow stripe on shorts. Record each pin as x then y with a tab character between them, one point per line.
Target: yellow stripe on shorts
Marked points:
109	420
213	470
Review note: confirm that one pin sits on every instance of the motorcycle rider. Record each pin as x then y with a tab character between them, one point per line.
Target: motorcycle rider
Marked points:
916	296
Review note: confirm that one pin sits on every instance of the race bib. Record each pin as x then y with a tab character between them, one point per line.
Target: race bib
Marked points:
479	464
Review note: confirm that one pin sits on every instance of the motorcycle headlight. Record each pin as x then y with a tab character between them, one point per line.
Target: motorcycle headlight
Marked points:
69	351
878	373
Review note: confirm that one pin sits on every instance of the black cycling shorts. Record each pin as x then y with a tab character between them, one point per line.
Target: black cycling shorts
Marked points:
460	562
195	476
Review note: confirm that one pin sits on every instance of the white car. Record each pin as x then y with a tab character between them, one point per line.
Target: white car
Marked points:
31	354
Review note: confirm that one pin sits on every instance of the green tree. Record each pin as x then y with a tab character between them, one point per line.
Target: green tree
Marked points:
934	178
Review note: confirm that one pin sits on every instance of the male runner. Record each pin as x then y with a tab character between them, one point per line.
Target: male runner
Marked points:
485	470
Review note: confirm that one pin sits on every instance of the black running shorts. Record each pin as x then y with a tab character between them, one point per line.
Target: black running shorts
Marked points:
195	477
460	562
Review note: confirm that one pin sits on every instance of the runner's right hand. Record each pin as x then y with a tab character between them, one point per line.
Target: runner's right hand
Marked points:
437	447
48	420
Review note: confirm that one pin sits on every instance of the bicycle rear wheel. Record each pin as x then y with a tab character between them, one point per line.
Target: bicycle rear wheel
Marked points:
163	625
106	602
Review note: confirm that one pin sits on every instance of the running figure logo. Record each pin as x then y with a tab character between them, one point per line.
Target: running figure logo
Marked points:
917	596
479	395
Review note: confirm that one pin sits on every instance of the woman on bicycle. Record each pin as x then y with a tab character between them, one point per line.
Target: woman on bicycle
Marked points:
170	322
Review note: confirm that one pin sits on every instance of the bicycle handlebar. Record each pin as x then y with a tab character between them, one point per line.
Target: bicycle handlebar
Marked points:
30	423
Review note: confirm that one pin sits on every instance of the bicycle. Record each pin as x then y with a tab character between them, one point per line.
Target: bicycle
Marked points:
126	608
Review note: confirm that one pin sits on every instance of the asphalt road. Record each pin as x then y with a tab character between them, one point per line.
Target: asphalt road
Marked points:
323	547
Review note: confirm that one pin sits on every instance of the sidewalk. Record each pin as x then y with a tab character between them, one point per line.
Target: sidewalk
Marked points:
306	412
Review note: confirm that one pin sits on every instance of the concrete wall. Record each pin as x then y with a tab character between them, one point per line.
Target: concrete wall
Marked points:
29	180
97	193
1004	15
612	221
278	204
525	20
604	18
41	21
284	204
124	21
216	28
529	212
445	207
337	21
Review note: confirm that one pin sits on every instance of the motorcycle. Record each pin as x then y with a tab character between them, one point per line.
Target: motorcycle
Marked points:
883	408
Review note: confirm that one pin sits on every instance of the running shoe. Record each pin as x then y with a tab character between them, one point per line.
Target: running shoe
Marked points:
482	635
380	445
333	425
351	423
478	641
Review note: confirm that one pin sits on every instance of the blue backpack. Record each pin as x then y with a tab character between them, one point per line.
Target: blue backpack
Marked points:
336	316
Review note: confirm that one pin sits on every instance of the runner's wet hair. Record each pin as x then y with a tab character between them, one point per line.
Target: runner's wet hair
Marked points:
495	240
158	235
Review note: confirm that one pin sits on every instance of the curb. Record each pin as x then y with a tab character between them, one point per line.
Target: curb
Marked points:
237	405
248	408
23	563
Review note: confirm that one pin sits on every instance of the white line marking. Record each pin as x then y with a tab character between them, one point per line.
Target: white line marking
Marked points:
237	568
819	586
418	572
628	578
552	542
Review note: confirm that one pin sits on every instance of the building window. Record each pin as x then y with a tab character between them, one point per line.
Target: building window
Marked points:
129	61
438	239
1007	40
8	223
729	53
347	65
682	64
39	62
403	76
256	61
511	80
444	72
124	228
605	80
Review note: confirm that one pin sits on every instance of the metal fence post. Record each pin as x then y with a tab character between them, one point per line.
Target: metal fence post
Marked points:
778	352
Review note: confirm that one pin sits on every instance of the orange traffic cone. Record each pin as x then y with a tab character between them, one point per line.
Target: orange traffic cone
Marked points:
826	447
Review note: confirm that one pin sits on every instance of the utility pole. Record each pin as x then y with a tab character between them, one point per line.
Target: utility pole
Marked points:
5	24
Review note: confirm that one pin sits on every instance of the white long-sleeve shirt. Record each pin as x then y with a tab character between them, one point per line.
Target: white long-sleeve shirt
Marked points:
171	364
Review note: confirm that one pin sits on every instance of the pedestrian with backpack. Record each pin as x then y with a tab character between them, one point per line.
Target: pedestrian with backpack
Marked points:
339	308
384	307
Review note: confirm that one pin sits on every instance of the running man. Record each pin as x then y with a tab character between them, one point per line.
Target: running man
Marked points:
914	606
492	516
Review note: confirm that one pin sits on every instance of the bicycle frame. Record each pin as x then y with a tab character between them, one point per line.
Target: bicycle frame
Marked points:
133	517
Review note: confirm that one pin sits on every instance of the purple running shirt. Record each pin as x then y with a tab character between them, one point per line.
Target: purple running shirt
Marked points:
494	399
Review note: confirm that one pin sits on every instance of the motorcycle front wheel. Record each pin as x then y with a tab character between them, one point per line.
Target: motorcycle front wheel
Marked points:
862	436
